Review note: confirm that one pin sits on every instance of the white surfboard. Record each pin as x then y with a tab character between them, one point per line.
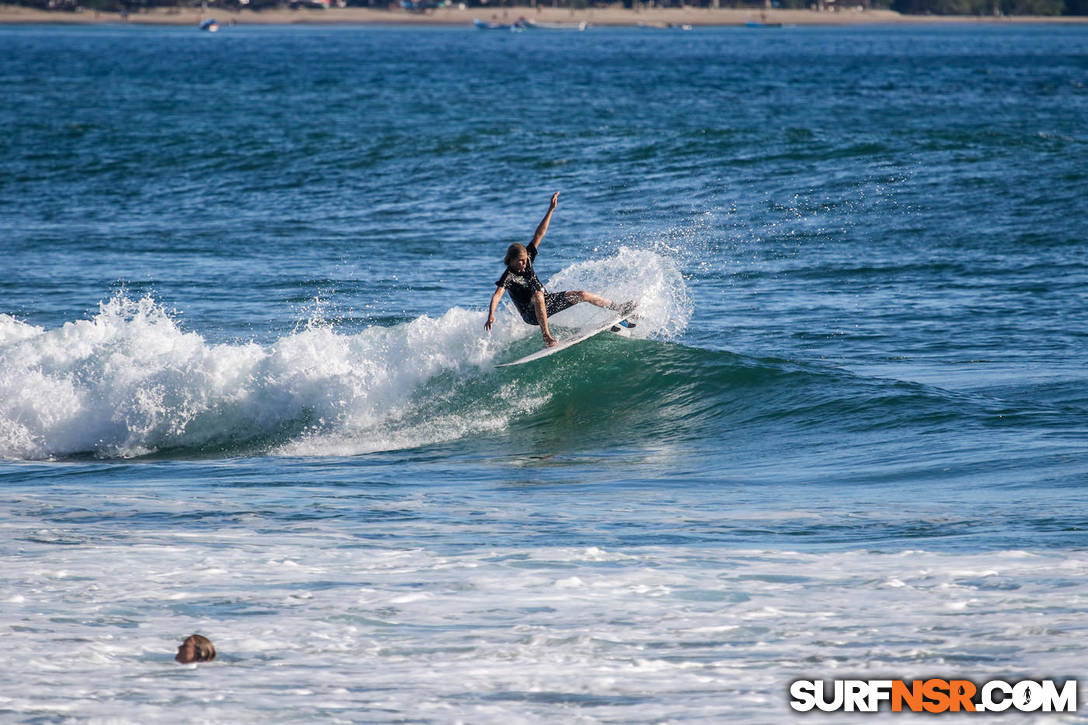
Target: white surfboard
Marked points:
569	341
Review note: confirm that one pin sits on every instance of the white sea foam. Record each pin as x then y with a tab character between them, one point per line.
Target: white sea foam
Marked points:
649	278
310	630
129	381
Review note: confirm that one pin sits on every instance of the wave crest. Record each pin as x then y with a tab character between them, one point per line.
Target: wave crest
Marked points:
130	382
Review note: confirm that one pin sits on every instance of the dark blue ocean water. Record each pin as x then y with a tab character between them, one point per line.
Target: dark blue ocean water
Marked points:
245	387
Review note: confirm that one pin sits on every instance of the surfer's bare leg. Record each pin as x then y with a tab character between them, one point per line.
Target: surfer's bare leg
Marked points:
542	318
583	296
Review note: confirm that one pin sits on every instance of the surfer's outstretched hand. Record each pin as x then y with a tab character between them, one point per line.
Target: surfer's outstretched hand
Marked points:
489	323
555	200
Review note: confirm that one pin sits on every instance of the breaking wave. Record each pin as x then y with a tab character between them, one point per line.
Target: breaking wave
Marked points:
130	382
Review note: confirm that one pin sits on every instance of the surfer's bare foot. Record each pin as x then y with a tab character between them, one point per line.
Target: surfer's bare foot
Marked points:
550	341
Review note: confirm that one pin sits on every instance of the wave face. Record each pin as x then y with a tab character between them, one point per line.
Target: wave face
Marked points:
131	382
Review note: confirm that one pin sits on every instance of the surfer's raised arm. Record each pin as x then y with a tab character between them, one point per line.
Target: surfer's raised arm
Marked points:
542	228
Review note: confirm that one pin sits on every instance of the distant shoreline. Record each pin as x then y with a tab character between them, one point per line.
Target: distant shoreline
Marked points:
452	16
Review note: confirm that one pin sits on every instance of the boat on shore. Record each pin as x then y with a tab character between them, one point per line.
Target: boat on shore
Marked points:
524	23
486	25
534	25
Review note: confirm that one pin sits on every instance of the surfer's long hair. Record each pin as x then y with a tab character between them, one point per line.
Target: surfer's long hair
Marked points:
513	252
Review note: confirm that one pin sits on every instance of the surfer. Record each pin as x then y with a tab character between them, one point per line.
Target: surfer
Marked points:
533	302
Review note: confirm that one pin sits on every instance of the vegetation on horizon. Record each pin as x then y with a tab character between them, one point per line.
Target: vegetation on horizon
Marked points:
907	7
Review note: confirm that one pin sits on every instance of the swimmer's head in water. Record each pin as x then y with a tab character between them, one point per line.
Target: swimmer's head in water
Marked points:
195	648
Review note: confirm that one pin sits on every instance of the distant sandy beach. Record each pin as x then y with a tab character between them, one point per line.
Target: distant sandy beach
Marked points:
612	16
